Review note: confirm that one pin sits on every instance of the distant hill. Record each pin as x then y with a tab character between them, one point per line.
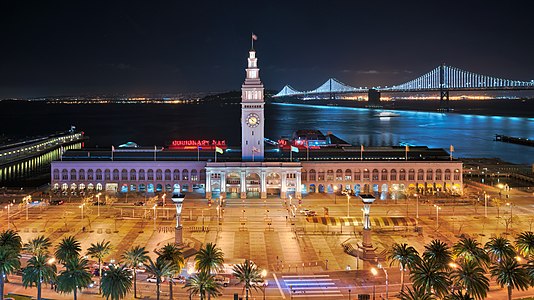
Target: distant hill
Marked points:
233	97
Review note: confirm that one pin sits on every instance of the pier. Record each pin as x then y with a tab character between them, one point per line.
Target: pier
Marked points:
514	140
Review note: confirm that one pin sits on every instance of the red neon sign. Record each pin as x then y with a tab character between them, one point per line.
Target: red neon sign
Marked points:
197	144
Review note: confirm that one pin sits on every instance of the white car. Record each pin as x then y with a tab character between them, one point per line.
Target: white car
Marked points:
264	283
153	279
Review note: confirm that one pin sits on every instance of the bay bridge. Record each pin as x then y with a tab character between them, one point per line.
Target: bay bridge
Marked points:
443	79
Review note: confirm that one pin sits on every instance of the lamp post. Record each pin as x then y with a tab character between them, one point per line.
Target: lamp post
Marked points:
27	201
417	206
387	278
349	293
178	200
335	194
98	203
81	207
154	207
374	272
437	215
348	205
511	215
290	198
8	207
263	275
485	205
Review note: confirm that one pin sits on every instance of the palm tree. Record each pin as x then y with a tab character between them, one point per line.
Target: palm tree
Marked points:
9	262
117	282
525	243
470	249
209	259
159	269
248	274
415	294
99	251
171	253
405	256
134	257
39	270
69	248
430	277
203	283
509	273
500	248
38	245
459	296
11	242
471	276
75	277
439	253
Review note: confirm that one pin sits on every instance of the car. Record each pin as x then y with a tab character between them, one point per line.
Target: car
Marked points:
179	279
224	281
259	283
153	279
311	213
99	203
139	203
56	202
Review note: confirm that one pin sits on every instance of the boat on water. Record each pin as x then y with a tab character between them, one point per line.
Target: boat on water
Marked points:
386	114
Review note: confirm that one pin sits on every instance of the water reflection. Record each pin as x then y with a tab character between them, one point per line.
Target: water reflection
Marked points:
28	171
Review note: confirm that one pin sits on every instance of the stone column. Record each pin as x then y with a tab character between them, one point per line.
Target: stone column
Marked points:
243	184
178	200
223	183
208	185
263	184
367	201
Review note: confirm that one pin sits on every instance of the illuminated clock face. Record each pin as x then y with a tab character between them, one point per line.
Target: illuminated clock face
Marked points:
253	120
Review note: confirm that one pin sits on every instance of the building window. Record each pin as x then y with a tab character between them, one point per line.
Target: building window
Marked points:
56	174
107	175
150	174
194	175
438	174
313	175
384	175
176	174
98	174
124	174
90	174
185	174
375	175
393	175
357	175
115	174
133	174
456	174
420	174
159	174
321	176
348	175
402	175
167	175
447	174
429	174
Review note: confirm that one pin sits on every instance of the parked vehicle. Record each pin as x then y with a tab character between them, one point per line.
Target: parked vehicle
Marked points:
139	203
153	279
56	202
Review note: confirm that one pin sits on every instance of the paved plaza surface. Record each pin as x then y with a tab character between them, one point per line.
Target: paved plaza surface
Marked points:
303	259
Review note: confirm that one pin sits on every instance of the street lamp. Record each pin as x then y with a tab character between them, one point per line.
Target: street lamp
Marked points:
349	293
27	201
263	275
81	207
374	272
98	203
335	194
387	278
417	206
348	207
8	213
290	198
511	215
154	207
485	205
437	215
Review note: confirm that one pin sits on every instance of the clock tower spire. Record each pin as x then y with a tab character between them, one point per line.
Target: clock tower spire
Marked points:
252	116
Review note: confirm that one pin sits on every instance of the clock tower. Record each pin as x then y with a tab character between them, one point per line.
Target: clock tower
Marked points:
252	116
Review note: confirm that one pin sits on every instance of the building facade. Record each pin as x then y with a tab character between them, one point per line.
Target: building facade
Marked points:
254	174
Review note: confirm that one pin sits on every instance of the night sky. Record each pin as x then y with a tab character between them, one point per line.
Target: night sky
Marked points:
93	47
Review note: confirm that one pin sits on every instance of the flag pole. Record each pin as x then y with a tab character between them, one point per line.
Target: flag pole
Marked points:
406	152
154	152
290	154
307	150
361	152
198	153
215	154
252	41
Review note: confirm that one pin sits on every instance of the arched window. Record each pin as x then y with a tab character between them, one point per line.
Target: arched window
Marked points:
357	175
411	175
98	174
438	174
185	174
133	175
384	175
167	175
107	174
142	174
366	174
150	174
159	174
73	174
320	176
115	174
56	174
348	175
81	174
124	174
447	174
329	175
393	175
194	175
313	176
176	174
202	175
65	174
90	174
456	174
339	175
420	175
429	174
375	174
304	175
402	174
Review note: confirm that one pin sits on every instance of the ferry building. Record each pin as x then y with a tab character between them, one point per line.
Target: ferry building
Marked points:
323	163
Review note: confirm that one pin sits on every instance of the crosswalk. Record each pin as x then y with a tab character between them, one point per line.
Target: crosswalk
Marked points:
311	286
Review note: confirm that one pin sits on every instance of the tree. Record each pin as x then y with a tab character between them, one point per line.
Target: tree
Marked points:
10	239
203	283
159	269
38	245
99	251
68	249
415	294
430	276
439	253
134	257
209	258
248	274
39	270
459	296
9	262
471	276
405	256
500	248
171	253
470	249
116	282
525	243
75	277
509	273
